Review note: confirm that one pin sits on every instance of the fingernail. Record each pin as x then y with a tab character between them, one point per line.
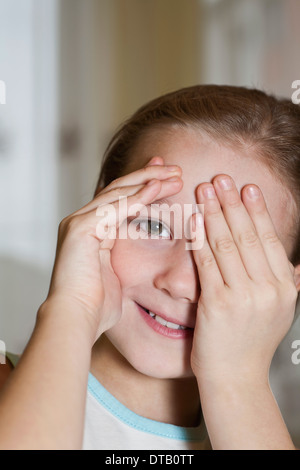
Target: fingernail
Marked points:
225	183
172	168
209	192
199	219
253	192
174	178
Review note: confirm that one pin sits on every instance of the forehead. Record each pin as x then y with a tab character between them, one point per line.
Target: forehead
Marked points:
202	158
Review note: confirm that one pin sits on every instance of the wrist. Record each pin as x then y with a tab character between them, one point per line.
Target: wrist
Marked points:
69	317
240	375
235	383
248	411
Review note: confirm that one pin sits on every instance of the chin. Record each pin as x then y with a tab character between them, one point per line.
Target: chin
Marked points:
151	361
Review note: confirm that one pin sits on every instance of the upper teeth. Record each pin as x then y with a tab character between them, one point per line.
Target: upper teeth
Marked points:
166	323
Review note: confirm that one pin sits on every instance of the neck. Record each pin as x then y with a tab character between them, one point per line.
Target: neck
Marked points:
173	401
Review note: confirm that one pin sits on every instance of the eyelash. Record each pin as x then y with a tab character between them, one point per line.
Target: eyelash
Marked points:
147	229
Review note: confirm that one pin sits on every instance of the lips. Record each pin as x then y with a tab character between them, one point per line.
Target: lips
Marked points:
165	325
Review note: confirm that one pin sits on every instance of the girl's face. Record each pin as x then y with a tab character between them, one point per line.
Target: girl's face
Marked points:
159	275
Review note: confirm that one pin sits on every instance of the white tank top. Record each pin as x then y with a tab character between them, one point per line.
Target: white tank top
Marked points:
109	425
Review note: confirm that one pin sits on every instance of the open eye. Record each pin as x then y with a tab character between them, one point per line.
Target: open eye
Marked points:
154	228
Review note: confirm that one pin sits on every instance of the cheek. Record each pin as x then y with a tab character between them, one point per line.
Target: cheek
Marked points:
130	261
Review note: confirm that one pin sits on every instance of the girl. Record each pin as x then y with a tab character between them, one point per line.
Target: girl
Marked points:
173	344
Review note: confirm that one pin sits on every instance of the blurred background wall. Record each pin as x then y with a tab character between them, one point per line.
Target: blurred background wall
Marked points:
73	71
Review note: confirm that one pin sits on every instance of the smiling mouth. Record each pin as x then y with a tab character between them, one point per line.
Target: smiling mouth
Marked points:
163	322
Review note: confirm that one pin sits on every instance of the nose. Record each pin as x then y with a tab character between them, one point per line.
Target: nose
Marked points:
178	276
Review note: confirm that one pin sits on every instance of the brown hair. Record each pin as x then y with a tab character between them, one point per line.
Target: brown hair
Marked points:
237	115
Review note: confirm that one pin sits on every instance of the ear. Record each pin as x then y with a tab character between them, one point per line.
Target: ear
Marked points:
297	277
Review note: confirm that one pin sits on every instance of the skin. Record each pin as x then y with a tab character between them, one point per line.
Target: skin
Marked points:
240	309
170	275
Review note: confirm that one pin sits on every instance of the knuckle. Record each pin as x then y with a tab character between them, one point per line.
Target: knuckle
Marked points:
224	245
234	203
206	260
270	293
64	224
246	297
270	238
291	291
138	198
68	225
213	212
73	222
145	170
115	183
292	268
248	239
119	191
278	292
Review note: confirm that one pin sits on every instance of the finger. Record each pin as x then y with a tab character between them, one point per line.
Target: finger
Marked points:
112	215
136	179
220	238
145	174
210	278
243	230
169	186
273	248
102	221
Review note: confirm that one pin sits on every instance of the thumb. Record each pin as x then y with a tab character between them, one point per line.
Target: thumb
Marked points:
105	262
